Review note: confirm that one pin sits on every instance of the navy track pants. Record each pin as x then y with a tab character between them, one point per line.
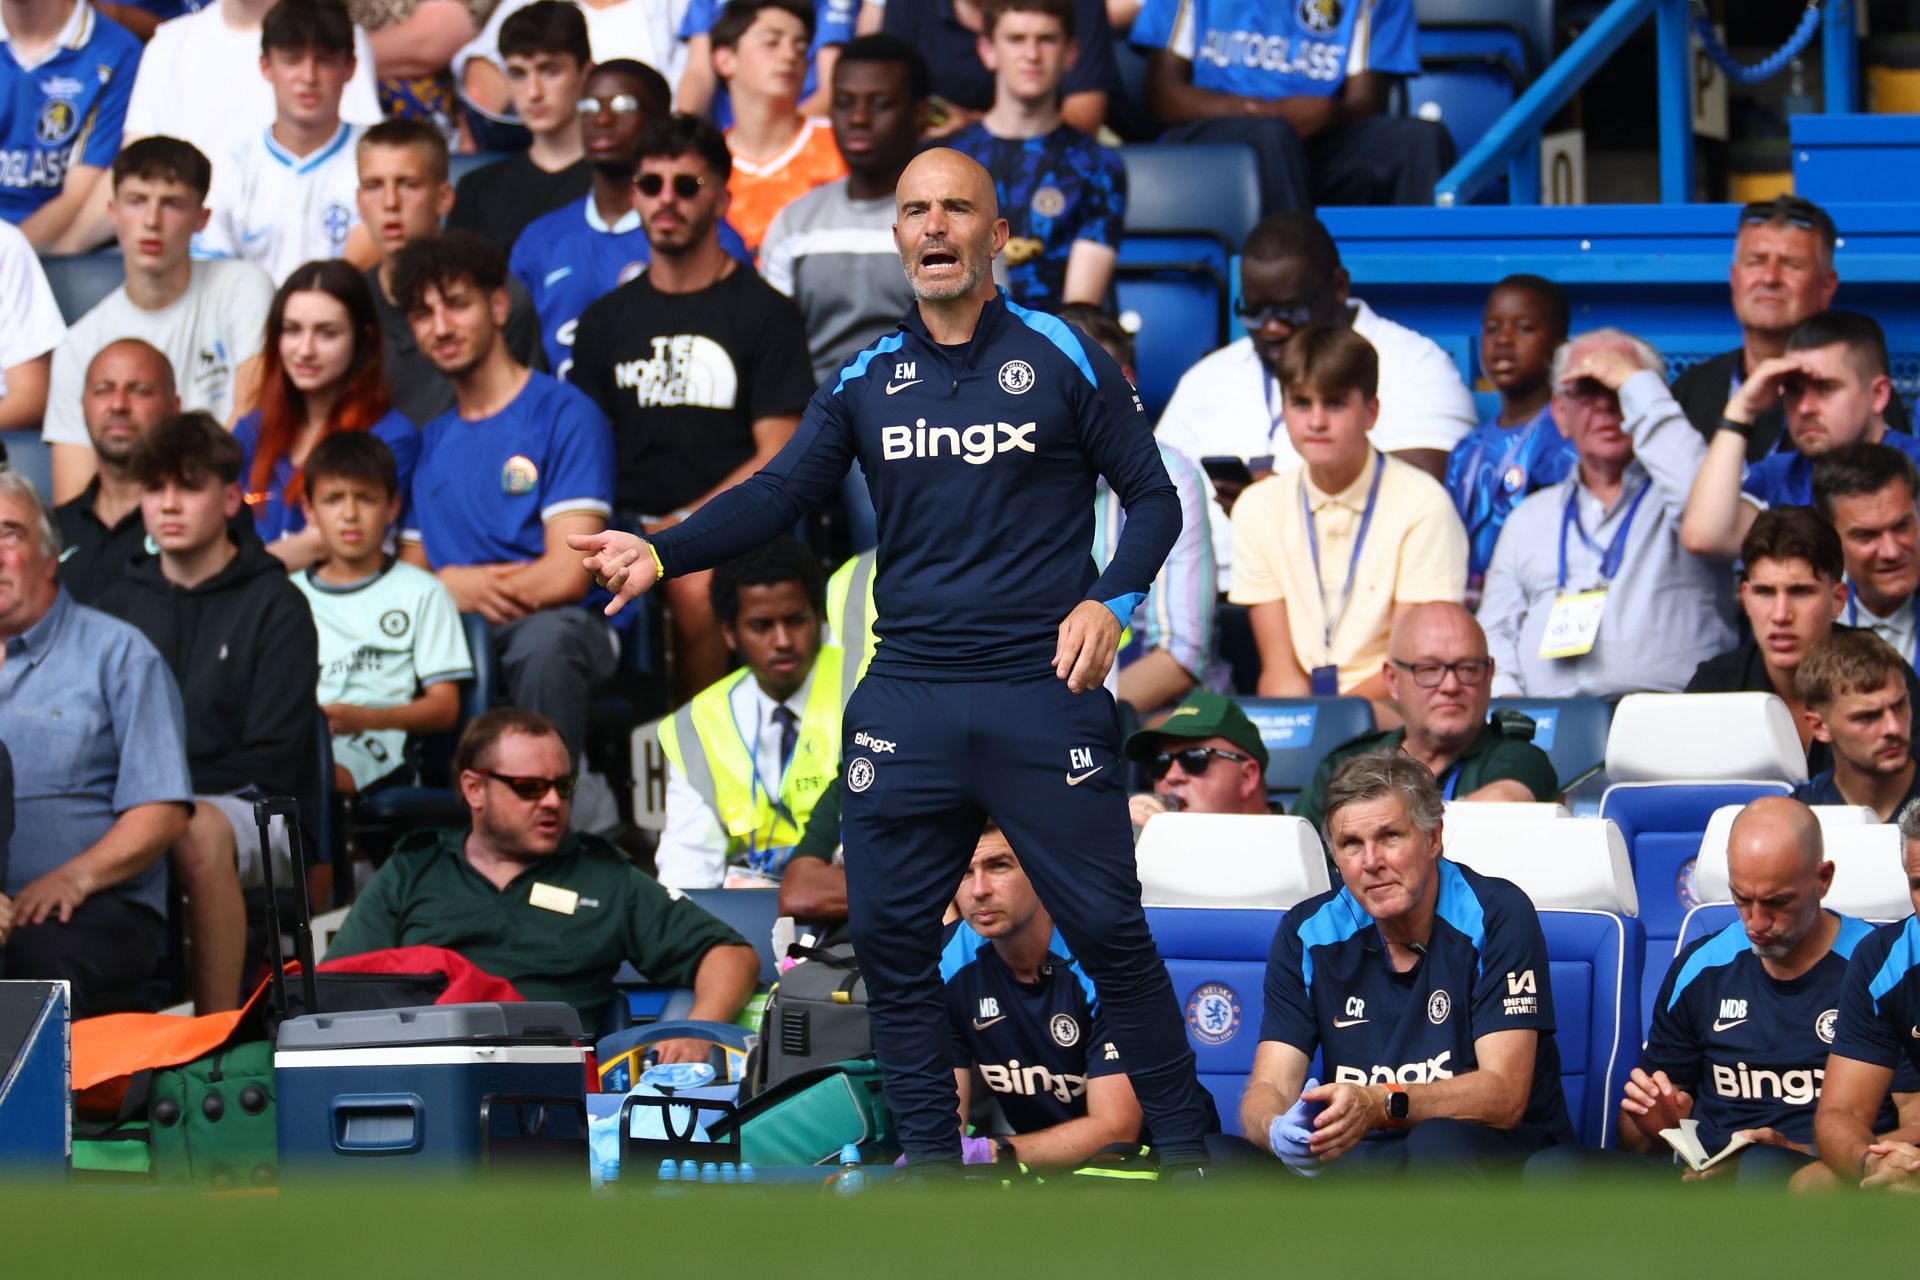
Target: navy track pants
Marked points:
926	762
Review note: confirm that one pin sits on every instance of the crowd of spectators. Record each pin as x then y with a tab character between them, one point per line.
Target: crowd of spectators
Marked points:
339	400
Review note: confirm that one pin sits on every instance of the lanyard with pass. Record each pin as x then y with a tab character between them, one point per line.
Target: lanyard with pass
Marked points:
1325	679
1573	626
754	786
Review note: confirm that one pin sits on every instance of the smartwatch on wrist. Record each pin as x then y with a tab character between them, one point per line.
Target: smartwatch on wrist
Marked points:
1398	1106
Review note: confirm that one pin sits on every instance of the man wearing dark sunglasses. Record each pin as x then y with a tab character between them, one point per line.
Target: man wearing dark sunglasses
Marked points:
1229	405
587	248
1782	273
700	364
1439	674
552	913
1205	757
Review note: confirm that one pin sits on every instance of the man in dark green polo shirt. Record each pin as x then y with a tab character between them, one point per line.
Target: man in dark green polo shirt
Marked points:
1438	671
553	913
1205	757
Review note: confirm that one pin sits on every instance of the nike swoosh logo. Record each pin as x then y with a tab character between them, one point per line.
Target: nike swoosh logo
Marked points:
982	1026
1348	1022
902	386
1074	781
1719	1026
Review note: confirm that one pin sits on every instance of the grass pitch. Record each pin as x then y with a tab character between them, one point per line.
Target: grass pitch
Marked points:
540	1229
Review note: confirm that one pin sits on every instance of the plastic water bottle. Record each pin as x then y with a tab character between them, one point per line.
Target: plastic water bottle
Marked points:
710	1172
852	1179
669	1171
728	1173
689	1171
747	1172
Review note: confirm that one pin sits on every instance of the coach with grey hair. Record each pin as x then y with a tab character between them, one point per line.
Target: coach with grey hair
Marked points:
1590	593
93	721
1425	989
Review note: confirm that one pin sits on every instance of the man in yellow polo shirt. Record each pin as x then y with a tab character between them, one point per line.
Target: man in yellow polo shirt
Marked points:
1327	555
748	757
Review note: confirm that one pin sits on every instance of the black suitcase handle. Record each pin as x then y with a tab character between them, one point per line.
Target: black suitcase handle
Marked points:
287	808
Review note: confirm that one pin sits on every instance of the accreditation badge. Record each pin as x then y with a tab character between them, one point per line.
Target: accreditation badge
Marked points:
1574	623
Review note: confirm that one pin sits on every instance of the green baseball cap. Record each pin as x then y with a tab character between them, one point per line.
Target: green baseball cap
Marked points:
1202	715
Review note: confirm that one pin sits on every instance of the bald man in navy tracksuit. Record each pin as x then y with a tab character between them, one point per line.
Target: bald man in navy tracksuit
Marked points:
981	428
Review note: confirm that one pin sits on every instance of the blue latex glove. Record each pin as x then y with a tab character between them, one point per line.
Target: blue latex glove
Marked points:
1290	1135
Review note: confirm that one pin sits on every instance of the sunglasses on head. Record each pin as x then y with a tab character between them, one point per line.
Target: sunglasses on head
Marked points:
685	185
1800	213
534	789
1193	761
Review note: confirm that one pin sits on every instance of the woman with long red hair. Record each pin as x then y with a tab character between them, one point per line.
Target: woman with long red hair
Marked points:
320	373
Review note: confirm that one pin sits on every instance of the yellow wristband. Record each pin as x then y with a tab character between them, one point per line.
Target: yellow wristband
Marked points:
659	566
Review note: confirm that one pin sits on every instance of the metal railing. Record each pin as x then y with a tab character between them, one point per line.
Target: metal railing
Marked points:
1513	144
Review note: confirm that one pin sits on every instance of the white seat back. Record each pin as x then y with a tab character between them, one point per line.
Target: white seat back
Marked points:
1562	864
1704	737
1869	872
1268	861
1713	843
1462	812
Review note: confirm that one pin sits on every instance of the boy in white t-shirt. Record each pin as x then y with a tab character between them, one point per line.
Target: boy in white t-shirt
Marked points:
207	318
287	195
392	651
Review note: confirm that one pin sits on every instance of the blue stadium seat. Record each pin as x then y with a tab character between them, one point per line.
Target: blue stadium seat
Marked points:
80	280
1596	959
28	454
1674	759
1464	94
1572	731
1175	314
1577	873
1188	203
751	913
1521	29
1216	886
1299	732
1663	823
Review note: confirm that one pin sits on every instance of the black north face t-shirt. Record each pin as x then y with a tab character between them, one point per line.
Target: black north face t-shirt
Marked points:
683	377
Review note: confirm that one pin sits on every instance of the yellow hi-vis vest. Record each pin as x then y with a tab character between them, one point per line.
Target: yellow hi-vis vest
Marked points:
709	749
850	617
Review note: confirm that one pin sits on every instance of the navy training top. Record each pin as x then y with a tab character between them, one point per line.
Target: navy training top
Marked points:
1331	986
1750	1048
982	460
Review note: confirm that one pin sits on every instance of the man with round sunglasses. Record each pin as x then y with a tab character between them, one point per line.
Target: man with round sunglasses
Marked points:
699	363
553	913
572	257
1205	757
1438	672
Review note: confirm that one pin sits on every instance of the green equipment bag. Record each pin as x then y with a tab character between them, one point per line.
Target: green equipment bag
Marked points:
211	1121
807	1118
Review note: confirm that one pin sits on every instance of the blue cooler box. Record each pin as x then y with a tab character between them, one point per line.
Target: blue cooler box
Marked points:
420	1089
